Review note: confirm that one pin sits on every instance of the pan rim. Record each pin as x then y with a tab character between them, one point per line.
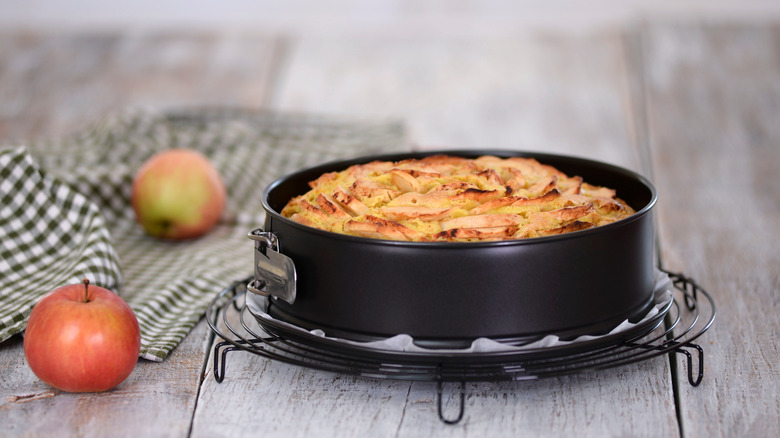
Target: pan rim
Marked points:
503	153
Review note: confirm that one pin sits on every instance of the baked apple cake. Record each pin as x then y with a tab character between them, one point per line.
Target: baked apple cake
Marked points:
448	198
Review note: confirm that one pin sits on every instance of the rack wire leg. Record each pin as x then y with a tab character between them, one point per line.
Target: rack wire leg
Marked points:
693	381
439	391
219	360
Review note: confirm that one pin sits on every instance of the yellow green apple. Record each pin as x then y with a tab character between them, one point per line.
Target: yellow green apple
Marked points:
178	194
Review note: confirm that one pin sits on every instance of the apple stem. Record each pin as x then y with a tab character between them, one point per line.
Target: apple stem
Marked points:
86	289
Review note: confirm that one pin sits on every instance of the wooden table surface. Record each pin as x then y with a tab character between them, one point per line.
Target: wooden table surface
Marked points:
694	107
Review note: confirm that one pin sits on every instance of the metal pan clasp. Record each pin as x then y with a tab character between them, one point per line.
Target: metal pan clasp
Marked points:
274	272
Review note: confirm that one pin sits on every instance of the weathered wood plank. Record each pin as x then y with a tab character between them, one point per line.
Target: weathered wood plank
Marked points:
258	392
629	401
279	400
54	85
713	94
155	400
559	94
555	94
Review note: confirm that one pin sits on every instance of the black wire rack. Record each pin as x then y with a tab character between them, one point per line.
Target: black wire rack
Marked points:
689	314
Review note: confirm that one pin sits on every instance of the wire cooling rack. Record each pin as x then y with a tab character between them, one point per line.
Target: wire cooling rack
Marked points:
689	314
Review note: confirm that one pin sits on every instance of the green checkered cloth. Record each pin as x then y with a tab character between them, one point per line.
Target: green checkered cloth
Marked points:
65	213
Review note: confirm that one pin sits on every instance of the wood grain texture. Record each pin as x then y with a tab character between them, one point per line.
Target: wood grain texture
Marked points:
53	85
713	94
551	94
260	396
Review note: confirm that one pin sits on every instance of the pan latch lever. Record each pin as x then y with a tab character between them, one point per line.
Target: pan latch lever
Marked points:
274	272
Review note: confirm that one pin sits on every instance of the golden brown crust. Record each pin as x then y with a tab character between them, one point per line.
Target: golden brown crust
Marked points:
446	198
349	203
330	208
376	227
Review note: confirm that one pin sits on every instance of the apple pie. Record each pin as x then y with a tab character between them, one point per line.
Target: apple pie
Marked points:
447	198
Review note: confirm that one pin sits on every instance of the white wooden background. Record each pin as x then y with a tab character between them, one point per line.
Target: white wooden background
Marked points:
691	105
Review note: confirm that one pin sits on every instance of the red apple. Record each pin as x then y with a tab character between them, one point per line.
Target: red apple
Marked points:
82	338
178	194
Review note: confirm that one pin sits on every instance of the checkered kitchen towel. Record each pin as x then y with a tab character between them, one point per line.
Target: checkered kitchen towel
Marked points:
65	212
